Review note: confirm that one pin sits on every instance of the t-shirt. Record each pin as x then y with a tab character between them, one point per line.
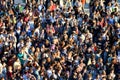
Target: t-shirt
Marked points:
20	56
52	7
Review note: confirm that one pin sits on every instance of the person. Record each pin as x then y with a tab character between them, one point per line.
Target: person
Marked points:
83	3
59	40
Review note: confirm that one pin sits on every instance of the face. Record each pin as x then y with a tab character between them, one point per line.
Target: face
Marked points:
41	2
33	49
10	68
51	2
67	74
38	49
42	31
93	62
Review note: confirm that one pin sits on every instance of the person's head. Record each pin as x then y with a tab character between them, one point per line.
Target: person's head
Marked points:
104	78
12	33
109	77
112	71
93	62
51	2
47	41
33	49
45	78
21	41
22	50
74	75
89	76
43	30
100	60
104	72
97	77
2	78
62	59
37	49
41	2
48	60
10	68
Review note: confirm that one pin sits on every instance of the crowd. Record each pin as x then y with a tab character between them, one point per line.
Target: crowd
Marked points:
58	40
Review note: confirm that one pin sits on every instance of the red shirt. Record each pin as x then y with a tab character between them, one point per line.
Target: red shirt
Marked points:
52	7
9	74
83	2
26	19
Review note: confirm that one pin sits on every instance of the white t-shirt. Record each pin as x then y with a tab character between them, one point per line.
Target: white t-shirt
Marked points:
49	73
